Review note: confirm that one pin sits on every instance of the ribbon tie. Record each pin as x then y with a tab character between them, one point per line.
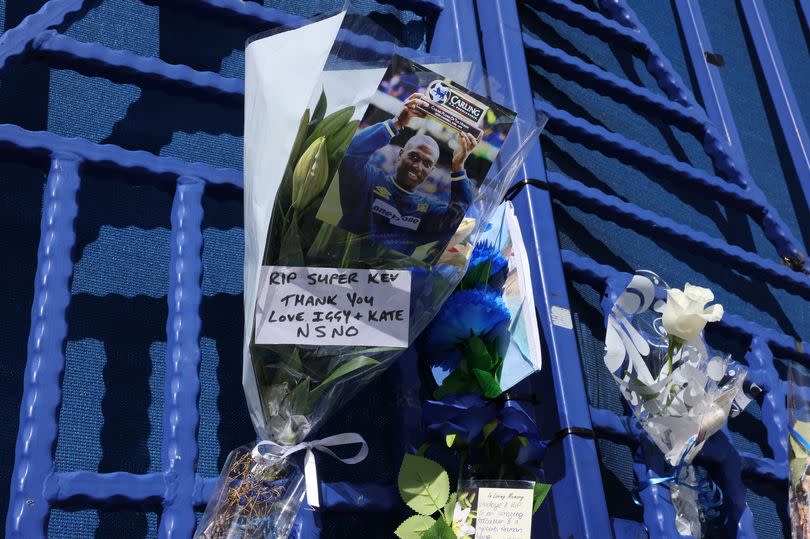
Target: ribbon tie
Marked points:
267	451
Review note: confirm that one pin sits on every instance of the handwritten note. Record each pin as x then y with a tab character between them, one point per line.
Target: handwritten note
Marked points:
330	306
504	513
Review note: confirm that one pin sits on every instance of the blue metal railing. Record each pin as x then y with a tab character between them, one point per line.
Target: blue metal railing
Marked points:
729	467
578	499
36	485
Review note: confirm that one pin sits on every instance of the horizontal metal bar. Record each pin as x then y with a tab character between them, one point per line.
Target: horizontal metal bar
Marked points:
420	7
656	62
109	154
781	92
647	222
584	269
258	15
691	119
653	162
626	430
125	66
593	23
642	157
90	488
16	40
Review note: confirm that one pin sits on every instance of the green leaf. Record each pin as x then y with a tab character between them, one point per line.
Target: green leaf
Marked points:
320	108
476	354
422	449
449	439
423	484
344	369
449	507
299	398
476	276
290	252
414	527
489	427
490	387
300	137
457	382
541	490
439	530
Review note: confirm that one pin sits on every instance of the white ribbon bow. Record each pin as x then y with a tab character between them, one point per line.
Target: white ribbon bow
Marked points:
275	451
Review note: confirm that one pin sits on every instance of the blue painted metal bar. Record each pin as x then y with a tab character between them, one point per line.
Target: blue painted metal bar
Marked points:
726	151
721	150
120	488
580	512
710	82
589	271
181	416
94	59
781	91
592	23
647	222
657	63
42	394
109	154
648	160
256	14
804	5
15	41
625	430
608	84
452	36
425	8
760	357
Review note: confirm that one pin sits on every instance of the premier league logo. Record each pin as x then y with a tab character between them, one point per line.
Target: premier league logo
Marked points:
439	92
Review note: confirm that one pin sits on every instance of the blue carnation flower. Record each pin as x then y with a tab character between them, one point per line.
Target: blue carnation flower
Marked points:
480	312
486	253
462	415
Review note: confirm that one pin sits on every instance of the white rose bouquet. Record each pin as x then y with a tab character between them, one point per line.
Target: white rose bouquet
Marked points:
680	391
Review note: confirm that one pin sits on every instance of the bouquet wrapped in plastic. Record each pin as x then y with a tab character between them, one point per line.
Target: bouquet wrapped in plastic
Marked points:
798	408
680	391
367	180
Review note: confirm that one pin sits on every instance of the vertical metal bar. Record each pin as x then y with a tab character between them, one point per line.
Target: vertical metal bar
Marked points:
782	96
42	395
181	416
579	500
774	413
455	32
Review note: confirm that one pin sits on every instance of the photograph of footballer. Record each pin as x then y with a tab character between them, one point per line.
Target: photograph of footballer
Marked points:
412	171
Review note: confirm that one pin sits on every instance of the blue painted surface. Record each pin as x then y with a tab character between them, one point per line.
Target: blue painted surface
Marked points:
613	89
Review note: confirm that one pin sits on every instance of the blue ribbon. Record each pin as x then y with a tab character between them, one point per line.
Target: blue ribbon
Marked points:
801	439
710	494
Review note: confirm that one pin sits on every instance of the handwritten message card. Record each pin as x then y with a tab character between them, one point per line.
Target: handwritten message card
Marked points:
504	513
330	306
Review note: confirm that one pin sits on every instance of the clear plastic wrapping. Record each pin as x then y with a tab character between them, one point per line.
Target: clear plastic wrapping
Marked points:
798	410
391	169
680	390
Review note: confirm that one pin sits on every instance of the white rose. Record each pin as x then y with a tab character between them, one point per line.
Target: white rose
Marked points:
685	313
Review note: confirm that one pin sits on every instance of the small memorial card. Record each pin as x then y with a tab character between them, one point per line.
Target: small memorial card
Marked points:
330	306
497	509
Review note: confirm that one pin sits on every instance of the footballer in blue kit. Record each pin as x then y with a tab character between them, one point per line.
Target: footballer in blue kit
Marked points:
387	208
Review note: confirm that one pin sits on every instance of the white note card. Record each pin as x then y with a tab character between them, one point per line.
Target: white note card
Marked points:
333	307
504	513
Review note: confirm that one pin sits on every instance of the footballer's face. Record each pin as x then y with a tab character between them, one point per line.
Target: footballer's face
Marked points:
414	164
